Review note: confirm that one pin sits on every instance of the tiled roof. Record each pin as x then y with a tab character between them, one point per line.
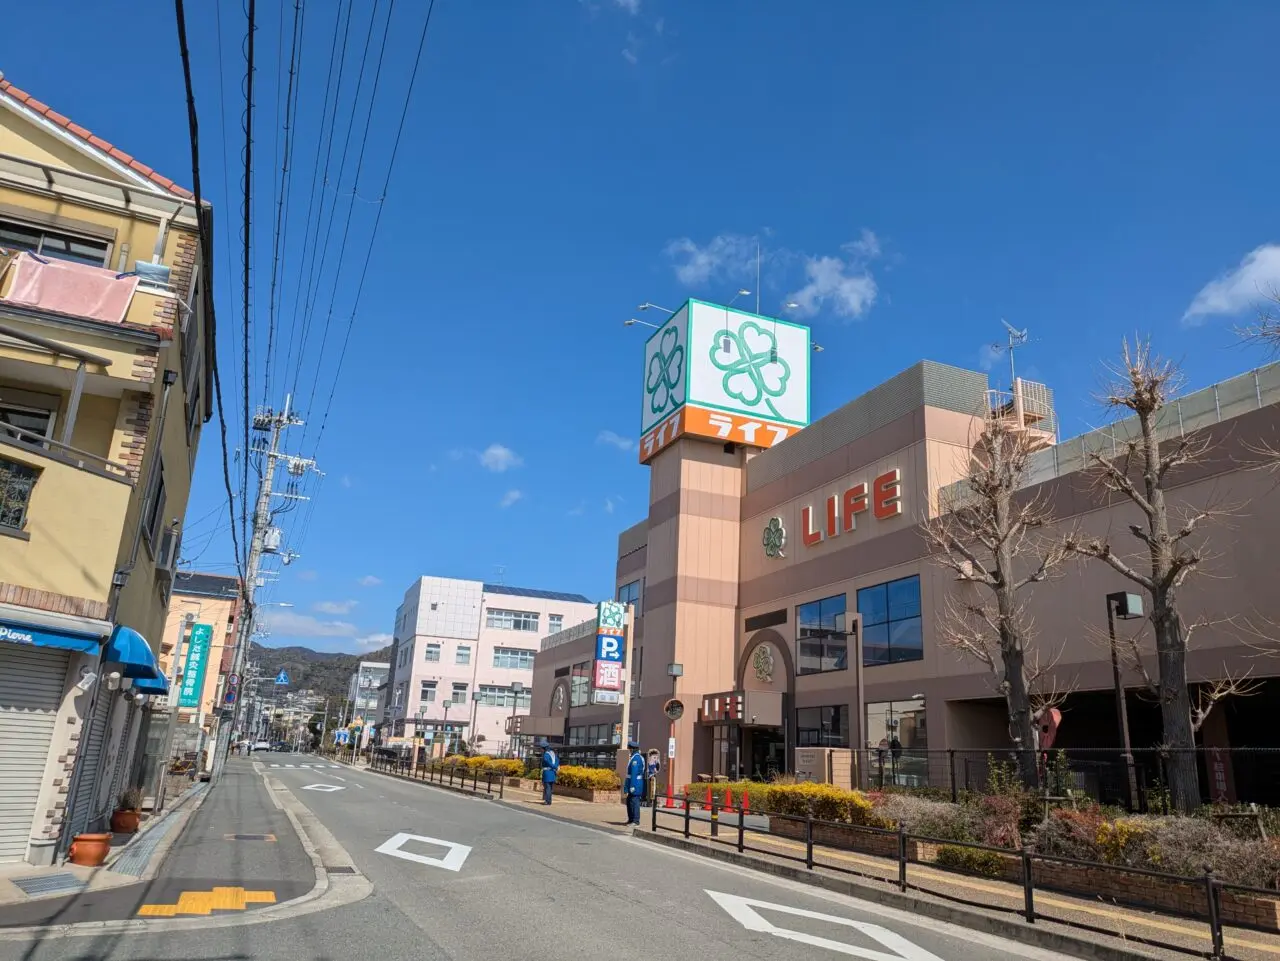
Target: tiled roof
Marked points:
530	592
103	146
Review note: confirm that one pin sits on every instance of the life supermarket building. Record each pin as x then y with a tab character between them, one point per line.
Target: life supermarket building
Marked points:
786	598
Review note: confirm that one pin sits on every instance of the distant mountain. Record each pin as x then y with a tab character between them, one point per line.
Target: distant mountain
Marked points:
328	674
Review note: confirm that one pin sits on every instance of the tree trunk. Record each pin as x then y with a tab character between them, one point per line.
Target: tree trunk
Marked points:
1018	700
1175	711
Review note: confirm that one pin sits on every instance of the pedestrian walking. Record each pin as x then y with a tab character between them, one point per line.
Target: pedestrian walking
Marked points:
550	768
633	786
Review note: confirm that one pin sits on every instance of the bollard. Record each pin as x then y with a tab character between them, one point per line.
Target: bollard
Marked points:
808	839
654	825
715	817
742	828
902	856
686	817
1028	886
1215	913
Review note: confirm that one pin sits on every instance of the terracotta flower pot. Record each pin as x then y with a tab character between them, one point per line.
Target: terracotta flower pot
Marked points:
89	850
125	822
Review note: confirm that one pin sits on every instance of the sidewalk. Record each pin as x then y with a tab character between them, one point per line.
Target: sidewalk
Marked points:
227	849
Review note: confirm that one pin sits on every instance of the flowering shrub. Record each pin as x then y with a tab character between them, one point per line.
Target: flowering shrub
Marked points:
1070	834
504	767
1125	841
594	778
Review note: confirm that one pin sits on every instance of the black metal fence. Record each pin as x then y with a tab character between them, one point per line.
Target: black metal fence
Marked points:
1227	775
460	776
1014	866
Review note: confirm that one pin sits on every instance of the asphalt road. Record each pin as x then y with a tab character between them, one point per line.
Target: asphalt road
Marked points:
473	880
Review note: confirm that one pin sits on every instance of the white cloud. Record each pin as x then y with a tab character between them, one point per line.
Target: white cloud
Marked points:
579	510
345	481
631	6
1236	291
989	355
615	440
629	52
372	642
608	505
510	497
334	607
307	575
842	285
292	624
497	458
724	257
659	26
369	580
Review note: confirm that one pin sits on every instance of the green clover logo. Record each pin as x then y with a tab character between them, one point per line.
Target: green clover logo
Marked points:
611	615
666	368
753	371
775	538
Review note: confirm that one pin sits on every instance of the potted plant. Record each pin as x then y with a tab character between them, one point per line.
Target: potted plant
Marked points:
127	814
89	850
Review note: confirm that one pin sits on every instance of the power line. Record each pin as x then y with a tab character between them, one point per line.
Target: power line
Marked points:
247	126
395	148
206	262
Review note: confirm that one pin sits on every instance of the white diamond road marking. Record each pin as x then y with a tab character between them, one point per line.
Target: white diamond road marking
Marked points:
452	861
324	787
744	911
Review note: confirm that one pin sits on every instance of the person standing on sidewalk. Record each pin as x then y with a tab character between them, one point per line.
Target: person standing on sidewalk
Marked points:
550	768
633	787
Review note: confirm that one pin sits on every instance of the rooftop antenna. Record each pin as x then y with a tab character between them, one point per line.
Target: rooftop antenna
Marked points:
1016	338
502	573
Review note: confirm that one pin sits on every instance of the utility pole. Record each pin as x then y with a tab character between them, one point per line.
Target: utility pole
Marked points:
275	424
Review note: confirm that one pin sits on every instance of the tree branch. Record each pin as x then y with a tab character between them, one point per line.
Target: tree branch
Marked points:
1100	550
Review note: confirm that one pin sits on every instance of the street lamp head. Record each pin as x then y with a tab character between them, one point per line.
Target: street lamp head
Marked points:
675	670
1126	606
517	687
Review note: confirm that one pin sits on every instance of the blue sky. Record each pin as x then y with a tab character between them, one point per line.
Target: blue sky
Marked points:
1084	170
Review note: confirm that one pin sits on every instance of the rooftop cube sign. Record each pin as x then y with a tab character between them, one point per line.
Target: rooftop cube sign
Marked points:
724	374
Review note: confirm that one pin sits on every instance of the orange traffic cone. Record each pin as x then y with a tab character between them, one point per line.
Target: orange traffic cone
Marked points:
670	803
746	803
707	802
728	799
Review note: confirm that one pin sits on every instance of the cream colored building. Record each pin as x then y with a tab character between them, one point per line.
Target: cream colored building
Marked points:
104	390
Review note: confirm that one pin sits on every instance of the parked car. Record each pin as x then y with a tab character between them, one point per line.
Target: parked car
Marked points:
262	746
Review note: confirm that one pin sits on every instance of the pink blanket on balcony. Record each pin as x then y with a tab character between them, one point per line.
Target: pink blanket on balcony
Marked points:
63	287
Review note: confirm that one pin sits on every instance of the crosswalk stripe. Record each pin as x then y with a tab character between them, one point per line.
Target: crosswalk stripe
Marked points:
275	765
290	765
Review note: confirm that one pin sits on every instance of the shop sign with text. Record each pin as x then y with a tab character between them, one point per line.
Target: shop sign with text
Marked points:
608	676
839	514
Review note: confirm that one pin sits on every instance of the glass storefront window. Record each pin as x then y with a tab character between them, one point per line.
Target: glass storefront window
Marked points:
580	684
823	726
899	741
891	626
815	651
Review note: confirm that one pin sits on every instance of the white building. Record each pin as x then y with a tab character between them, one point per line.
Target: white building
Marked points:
470	646
362	695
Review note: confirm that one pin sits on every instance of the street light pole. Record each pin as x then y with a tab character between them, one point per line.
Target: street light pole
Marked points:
1126	607
517	688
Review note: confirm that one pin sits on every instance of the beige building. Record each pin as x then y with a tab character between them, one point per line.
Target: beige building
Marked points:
795	592
104	390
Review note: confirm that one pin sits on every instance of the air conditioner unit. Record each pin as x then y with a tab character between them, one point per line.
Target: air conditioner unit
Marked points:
167	556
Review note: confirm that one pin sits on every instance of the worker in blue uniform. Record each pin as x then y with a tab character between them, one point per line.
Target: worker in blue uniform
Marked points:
633	787
550	769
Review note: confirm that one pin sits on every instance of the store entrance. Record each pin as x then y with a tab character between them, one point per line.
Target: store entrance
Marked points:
766	754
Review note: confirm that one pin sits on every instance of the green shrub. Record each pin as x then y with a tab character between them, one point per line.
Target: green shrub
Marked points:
826	802
988	864
504	767
594	778
755	790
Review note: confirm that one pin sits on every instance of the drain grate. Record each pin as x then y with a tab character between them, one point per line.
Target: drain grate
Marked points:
50	884
334	869
249	837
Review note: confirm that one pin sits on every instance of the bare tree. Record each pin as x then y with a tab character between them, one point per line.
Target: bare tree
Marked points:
1173	544
990	538
1265	329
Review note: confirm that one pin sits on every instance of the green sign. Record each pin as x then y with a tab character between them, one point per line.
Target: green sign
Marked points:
193	667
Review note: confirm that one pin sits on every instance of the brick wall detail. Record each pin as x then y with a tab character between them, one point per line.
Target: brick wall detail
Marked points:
49	601
137	425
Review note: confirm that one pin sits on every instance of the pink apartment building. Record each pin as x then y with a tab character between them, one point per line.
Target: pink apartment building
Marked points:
469	645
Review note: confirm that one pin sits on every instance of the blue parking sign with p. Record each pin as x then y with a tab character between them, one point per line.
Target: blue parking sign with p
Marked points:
610	647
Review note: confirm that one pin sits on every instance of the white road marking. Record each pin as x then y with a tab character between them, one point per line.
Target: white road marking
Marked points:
452	861
275	765
326	788
337	778
744	911
359	785
290	765
335	765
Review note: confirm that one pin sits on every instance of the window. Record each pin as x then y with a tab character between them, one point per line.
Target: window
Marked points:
580	684
823	726
16	483
491	695
459	695
630	594
512	657
428	694
463	655
817	651
897	731
54	245
433	652
26	421
399	695
555	623
511	620
891	630
155	513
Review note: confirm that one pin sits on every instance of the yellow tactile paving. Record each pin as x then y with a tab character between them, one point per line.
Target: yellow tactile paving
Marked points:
206	902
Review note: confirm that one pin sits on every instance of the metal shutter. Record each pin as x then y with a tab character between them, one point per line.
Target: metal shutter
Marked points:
94	734
31	682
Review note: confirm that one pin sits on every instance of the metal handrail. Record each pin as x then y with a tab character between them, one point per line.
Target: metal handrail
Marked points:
65	454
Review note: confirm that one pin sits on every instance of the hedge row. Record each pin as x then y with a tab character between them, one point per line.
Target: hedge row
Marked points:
479	764
825	801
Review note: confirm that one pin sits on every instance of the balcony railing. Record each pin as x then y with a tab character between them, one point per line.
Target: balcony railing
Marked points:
63	453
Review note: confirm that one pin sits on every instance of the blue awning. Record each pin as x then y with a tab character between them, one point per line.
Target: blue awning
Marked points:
31	635
129	653
149	685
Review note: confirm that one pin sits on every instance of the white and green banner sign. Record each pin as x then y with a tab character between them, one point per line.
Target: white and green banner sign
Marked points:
194	666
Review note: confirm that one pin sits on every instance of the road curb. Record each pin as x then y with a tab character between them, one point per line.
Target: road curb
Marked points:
1007	928
182	812
482	795
331	890
533	809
